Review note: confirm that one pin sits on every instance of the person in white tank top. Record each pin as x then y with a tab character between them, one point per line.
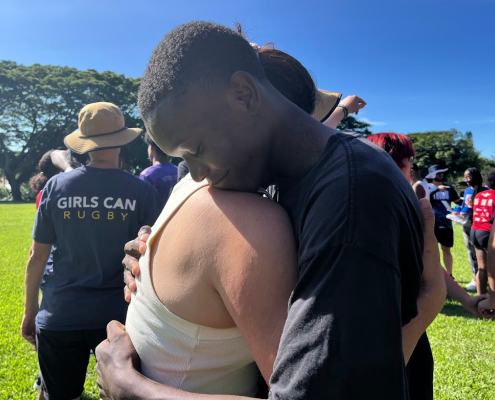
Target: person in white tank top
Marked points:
181	345
420	187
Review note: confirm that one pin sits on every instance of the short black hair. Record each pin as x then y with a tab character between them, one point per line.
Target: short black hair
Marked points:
162	156
197	53
490	179
150	142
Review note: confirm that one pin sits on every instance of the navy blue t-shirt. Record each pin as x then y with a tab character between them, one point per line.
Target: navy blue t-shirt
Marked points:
89	214
439	200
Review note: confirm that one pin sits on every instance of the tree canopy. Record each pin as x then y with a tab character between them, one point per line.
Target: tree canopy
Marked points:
451	148
350	123
39	105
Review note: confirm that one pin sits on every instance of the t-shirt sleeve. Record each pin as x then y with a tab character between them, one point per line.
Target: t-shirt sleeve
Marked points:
152	208
44	229
38	199
144	177
343	335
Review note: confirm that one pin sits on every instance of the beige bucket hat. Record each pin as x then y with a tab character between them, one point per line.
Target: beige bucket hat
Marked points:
101	126
326	102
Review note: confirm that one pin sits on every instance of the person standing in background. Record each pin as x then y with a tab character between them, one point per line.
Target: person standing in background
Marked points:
88	214
420	187
162	174
483	214
441	196
472	177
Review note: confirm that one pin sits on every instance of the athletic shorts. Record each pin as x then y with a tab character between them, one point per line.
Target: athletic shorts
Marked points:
445	236
63	358
480	239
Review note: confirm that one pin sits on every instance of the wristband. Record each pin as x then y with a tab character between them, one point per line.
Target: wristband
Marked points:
345	109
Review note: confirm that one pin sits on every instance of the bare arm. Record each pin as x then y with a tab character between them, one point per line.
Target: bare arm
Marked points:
59	159
256	285
38	258
353	104
419	190
433	291
254	282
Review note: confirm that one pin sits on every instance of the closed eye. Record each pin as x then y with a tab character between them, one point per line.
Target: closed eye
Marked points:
198	150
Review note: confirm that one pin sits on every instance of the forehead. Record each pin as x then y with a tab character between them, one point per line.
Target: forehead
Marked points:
179	121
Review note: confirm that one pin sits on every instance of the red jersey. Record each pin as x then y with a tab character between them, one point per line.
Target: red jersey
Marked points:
483	210
38	199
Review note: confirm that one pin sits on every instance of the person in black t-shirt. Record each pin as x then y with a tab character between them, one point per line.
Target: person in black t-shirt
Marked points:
441	197
245	134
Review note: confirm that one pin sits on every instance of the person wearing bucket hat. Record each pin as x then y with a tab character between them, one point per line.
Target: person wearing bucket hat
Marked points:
88	213
101	126
244	134
441	197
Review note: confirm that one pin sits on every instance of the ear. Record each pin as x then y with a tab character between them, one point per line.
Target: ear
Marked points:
244	93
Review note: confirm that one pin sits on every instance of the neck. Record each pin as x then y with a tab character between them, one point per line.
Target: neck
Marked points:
104	159
297	144
104	164
156	162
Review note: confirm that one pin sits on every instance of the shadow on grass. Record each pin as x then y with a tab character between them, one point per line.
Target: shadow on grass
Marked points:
452	309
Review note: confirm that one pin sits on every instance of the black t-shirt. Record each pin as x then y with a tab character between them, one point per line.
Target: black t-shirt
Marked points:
358	230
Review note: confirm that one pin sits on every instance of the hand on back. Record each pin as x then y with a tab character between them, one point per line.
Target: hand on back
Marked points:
133	252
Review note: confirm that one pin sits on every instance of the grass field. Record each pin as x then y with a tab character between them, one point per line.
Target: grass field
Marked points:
463	346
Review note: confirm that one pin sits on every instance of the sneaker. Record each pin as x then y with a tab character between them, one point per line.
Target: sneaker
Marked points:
471	287
37	383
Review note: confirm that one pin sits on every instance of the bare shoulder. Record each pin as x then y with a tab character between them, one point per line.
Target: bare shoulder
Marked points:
250	213
242	224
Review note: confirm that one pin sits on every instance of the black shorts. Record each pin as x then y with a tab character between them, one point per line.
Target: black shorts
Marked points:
445	236
63	358
479	239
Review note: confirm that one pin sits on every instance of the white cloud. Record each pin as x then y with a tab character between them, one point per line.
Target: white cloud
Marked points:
373	123
477	121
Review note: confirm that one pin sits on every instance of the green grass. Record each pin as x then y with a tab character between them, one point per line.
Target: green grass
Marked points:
18	364
463	346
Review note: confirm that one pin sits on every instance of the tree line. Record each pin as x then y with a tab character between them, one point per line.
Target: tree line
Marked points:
39	106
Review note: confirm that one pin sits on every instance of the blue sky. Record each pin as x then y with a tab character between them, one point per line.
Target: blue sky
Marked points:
421	65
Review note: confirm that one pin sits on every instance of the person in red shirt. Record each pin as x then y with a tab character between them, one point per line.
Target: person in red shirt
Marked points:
483	214
48	169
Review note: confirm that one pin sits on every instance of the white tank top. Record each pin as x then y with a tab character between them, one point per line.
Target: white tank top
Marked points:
426	188
177	352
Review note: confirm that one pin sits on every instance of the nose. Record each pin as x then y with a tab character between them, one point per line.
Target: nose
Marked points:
198	171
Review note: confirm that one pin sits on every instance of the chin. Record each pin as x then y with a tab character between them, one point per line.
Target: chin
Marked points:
237	186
